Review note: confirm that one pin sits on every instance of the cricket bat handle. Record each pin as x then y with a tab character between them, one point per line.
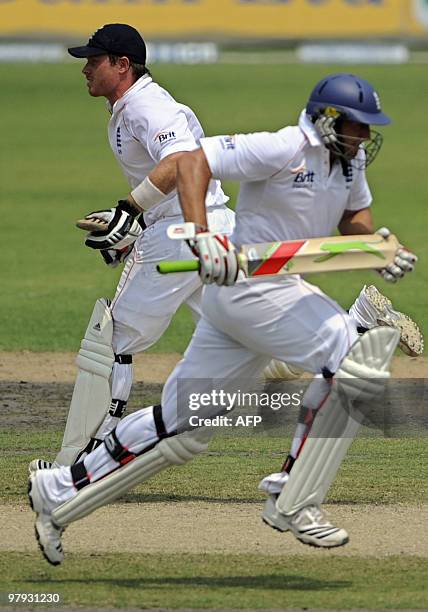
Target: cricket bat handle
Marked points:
188	265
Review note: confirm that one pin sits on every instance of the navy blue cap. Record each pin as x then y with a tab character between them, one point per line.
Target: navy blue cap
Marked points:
115	39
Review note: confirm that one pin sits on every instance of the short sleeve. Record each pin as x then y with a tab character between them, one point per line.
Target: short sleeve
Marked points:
163	132
247	157
360	195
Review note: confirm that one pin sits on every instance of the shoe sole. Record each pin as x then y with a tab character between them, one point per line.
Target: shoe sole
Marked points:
36	531
411	339
319	545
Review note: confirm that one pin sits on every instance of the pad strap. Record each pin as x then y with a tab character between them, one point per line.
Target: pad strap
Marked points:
116	450
159	424
80	475
117	408
123	359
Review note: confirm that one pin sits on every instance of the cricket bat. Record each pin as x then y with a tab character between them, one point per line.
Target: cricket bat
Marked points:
92	224
330	254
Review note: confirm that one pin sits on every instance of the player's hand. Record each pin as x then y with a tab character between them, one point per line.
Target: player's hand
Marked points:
217	256
404	261
120	227
325	126
114	257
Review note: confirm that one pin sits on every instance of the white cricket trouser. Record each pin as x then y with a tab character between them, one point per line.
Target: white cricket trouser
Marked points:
242	328
145	300
246	325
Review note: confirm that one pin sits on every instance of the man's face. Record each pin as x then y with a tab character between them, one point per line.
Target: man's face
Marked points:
101	76
352	135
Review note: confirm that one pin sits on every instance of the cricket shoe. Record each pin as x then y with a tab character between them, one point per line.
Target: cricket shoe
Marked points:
41	464
411	338
309	525
48	535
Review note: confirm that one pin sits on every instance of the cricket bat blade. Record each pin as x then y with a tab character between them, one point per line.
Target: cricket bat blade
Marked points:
307	256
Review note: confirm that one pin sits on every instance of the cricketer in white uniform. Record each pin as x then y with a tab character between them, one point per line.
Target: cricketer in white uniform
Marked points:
147	130
302	181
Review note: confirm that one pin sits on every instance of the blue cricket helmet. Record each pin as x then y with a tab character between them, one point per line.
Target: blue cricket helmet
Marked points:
350	97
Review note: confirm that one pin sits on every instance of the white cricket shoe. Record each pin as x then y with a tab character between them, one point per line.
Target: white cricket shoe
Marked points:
411	338
272	484
309	525
41	464
47	533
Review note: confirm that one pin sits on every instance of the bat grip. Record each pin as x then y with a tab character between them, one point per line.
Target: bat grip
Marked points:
167	267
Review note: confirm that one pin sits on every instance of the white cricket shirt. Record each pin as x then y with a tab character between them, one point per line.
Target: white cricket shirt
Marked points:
146	125
287	188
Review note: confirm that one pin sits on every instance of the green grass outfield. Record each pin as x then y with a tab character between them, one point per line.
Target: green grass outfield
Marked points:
221	581
56	165
376	471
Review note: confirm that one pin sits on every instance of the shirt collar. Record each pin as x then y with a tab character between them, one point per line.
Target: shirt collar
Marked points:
135	88
309	130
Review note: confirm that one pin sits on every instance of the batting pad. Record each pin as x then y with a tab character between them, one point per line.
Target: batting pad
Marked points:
176	450
361	376
279	370
91	394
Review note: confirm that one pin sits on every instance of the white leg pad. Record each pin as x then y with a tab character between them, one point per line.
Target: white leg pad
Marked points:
176	450
361	376
91	395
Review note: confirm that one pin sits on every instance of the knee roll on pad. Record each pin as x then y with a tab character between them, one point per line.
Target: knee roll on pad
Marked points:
176	450
279	370
360	377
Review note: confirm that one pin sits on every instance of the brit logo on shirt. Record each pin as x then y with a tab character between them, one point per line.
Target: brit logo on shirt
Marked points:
304	179
118	141
165	137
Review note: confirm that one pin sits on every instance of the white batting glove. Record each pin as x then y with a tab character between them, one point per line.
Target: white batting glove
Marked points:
325	126
217	256
122	228
404	261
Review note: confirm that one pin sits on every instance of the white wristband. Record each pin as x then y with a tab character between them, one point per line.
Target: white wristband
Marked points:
146	194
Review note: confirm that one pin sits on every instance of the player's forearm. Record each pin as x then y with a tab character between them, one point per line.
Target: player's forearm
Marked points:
161	181
164	176
193	177
358	222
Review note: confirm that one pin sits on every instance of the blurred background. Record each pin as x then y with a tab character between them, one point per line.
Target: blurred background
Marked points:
194	31
242	65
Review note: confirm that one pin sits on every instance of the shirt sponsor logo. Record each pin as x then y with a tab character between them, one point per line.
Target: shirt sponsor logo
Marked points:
165	137
228	142
304	179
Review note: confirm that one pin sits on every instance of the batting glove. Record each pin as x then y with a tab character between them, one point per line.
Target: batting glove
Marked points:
113	257
123	228
217	256
404	261
325	127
